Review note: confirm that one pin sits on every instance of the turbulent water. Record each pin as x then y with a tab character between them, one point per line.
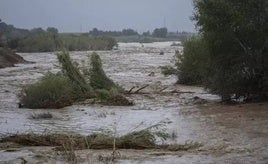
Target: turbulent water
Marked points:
236	135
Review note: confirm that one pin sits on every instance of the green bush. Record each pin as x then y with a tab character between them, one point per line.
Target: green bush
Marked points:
51	91
192	65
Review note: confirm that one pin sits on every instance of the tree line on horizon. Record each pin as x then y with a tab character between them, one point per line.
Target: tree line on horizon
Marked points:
40	40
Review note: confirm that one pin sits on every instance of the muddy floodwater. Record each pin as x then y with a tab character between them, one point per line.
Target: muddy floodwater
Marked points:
228	133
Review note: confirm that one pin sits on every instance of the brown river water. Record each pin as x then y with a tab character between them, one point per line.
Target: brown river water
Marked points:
228	133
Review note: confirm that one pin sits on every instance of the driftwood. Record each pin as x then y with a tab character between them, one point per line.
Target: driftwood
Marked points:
161	90
177	91
129	91
141	88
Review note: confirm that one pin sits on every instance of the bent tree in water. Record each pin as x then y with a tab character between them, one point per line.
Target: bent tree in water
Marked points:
72	84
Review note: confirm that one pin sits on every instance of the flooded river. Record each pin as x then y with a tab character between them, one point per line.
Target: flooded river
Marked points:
229	134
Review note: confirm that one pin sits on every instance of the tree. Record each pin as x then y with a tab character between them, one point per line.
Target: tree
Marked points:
38	30
94	32
128	32
52	30
236	34
160	32
147	33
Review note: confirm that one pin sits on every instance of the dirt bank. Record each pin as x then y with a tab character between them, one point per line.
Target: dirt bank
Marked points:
8	58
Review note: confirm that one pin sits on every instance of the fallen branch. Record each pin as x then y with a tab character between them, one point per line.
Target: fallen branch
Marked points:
129	91
176	91
161	90
141	88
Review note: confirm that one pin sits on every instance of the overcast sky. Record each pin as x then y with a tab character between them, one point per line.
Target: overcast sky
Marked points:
83	15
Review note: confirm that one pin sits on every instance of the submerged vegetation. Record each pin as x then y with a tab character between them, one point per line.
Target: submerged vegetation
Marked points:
72	84
143	139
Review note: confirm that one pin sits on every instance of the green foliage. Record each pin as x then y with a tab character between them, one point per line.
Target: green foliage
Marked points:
236	35
104	94
98	78
192	65
168	70
38	43
51	41
52	30
82	43
70	70
128	32
51	91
